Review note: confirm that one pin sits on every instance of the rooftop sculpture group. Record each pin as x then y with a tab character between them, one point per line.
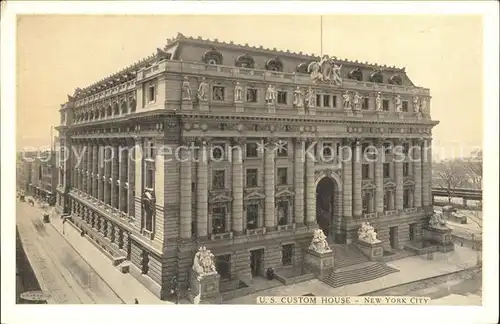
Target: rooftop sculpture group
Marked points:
325	71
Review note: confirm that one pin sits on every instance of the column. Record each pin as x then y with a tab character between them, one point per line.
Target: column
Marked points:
186	196
356	179
95	169
398	176
73	161
138	180
202	191
122	176
391	199
89	168
347	177
417	173
299	181
107	174
131	179
237	206
269	207
114	175
84	153
427	173
101	172
310	187
379	177
370	203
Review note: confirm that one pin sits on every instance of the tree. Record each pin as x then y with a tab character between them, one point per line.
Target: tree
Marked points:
450	175
474	169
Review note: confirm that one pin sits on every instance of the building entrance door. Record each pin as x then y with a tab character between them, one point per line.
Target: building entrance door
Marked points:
256	262
412	230
393	237
325	207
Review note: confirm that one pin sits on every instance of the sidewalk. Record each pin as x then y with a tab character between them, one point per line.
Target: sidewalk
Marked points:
410	269
124	285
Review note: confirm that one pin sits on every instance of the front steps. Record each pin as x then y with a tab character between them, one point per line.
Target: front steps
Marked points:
358	273
346	255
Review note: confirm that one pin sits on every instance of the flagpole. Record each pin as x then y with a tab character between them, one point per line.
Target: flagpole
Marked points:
321	33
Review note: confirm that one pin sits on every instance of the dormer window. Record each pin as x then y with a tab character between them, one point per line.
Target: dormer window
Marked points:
377	77
212	57
274	65
356	74
245	61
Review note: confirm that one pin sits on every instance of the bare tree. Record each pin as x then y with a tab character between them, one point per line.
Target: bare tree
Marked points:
450	175
474	169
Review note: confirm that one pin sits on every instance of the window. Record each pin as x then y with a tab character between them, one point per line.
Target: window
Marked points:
251	95
405	106
287	254
218	93
387	148
282	176
334	101
218	180
386	200
282	149
387	170
327	149
406	169
406	148
222	126
318	99
149	179
151	93
252	178
219	220
406	198
223	266
193	187
282	212
385	105
364	148
282	97
252	216
218	151
365	104
326	101
365	171
251	150
366	203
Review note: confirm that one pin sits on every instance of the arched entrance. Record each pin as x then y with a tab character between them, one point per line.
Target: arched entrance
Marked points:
327	206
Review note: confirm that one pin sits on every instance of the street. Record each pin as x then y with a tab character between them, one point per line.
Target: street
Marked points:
61	271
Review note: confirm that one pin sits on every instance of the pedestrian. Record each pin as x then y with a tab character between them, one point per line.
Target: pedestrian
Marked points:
136	301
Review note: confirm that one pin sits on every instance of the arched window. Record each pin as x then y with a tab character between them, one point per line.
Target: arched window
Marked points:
116	109
396	79
212	57
245	61
124	106
356	74
302	67
275	65
109	111
377	77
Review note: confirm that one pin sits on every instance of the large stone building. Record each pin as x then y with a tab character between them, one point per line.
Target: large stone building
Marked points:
256	207
37	174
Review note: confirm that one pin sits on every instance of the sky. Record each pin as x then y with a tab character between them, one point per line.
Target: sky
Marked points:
58	53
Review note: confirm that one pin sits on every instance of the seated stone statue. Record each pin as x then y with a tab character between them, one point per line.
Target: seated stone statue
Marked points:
319	243
204	262
366	233
437	221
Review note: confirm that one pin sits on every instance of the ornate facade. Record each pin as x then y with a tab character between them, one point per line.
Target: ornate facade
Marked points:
254	208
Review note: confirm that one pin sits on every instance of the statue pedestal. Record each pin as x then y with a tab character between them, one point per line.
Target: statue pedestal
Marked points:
320	264
311	111
239	107
349	112
301	111
440	236
204	289
358	113
186	104
400	115
203	105
374	251
271	108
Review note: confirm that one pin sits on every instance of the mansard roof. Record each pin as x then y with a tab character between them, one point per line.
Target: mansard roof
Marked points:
229	53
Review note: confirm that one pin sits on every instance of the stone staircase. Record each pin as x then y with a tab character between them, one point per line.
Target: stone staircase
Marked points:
346	255
357	273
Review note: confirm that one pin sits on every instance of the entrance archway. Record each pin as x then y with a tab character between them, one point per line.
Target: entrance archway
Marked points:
326	206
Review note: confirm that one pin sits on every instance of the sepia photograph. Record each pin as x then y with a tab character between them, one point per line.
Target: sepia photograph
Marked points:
178	158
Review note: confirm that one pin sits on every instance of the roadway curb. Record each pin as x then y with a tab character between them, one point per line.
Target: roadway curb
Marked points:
91	267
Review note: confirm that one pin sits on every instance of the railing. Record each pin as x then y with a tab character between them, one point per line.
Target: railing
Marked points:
221	236
287	227
257	231
459	193
391	213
